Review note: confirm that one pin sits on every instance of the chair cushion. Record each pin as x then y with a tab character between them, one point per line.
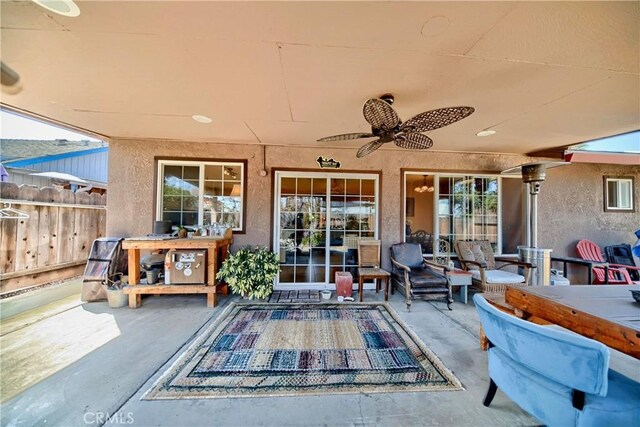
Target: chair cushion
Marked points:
465	253
489	257
427	278
478	254
476	250
409	254
620	407
499	277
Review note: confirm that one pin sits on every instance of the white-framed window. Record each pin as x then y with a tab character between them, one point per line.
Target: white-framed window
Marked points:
197	193
458	206
618	194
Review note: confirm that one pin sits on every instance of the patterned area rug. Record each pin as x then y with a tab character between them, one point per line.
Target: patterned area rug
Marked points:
293	349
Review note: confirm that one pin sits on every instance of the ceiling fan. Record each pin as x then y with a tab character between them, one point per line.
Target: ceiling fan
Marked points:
386	126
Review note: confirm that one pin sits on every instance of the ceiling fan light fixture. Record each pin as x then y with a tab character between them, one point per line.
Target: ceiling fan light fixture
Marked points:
201	119
486	132
61	7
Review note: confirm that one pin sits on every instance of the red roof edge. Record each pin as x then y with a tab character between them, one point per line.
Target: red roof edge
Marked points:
602	157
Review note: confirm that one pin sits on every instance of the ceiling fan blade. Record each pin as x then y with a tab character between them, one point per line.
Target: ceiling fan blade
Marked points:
369	148
380	114
346	136
435	119
413	141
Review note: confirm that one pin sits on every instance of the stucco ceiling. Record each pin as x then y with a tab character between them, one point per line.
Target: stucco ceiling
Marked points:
542	74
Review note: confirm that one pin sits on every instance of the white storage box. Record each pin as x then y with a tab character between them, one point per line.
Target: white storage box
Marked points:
557	279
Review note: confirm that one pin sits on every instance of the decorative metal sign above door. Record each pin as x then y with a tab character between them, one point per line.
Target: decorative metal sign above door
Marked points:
327	163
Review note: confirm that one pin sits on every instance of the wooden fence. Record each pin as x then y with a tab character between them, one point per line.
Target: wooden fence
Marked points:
54	241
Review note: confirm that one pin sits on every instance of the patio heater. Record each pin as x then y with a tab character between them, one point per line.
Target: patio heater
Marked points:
533	174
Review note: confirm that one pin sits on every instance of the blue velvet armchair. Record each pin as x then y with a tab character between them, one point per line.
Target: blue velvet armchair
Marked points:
559	377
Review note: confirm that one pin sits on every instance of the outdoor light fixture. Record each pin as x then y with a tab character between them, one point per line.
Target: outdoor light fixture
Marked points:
424	187
201	119
61	7
488	132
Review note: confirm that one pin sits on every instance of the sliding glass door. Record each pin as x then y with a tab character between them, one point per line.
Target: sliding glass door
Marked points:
450	207
319	218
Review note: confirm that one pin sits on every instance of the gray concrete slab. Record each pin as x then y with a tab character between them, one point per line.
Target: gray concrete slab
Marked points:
33	299
110	380
103	380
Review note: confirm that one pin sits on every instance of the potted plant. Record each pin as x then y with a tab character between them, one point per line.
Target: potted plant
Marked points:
250	272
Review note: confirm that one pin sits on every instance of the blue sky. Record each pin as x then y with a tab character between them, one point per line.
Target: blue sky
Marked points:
625	143
14	126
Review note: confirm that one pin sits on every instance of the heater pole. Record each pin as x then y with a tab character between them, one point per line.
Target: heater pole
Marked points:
534	220
533	174
527	215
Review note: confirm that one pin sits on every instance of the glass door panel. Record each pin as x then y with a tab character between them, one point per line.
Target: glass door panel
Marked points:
320	220
302	225
353	216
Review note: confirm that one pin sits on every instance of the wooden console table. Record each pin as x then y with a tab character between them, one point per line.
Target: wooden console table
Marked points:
217	249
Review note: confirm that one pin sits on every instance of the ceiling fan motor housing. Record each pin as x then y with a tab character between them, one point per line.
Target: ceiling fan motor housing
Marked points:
388	98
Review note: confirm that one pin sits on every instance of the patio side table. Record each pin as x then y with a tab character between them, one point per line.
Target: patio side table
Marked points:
375	274
460	278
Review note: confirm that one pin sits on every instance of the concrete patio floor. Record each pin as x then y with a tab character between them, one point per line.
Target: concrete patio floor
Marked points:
118	353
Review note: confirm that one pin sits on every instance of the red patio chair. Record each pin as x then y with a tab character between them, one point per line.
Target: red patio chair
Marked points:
618	273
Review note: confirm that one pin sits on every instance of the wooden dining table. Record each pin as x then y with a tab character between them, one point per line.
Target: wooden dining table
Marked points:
606	313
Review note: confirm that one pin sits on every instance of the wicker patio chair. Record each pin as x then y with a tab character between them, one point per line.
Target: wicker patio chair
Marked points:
476	256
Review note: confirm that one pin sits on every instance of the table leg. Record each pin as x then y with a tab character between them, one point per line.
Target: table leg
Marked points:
484	341
212	265
135	300
386	289
134	266
224	288
360	287
463	294
211	299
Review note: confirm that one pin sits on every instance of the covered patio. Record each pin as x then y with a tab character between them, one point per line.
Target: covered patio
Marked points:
213	113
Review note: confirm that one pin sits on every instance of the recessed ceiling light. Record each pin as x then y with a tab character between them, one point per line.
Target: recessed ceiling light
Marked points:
202	119
485	133
61	7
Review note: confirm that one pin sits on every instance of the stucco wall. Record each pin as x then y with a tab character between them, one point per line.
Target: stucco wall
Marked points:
570	202
572	208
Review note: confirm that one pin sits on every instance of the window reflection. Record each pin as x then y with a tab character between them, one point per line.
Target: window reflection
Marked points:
201	193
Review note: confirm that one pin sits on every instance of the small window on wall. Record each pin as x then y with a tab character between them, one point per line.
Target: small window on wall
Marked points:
193	194
618	194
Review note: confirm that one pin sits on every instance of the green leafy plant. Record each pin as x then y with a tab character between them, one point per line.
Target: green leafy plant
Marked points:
250	272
